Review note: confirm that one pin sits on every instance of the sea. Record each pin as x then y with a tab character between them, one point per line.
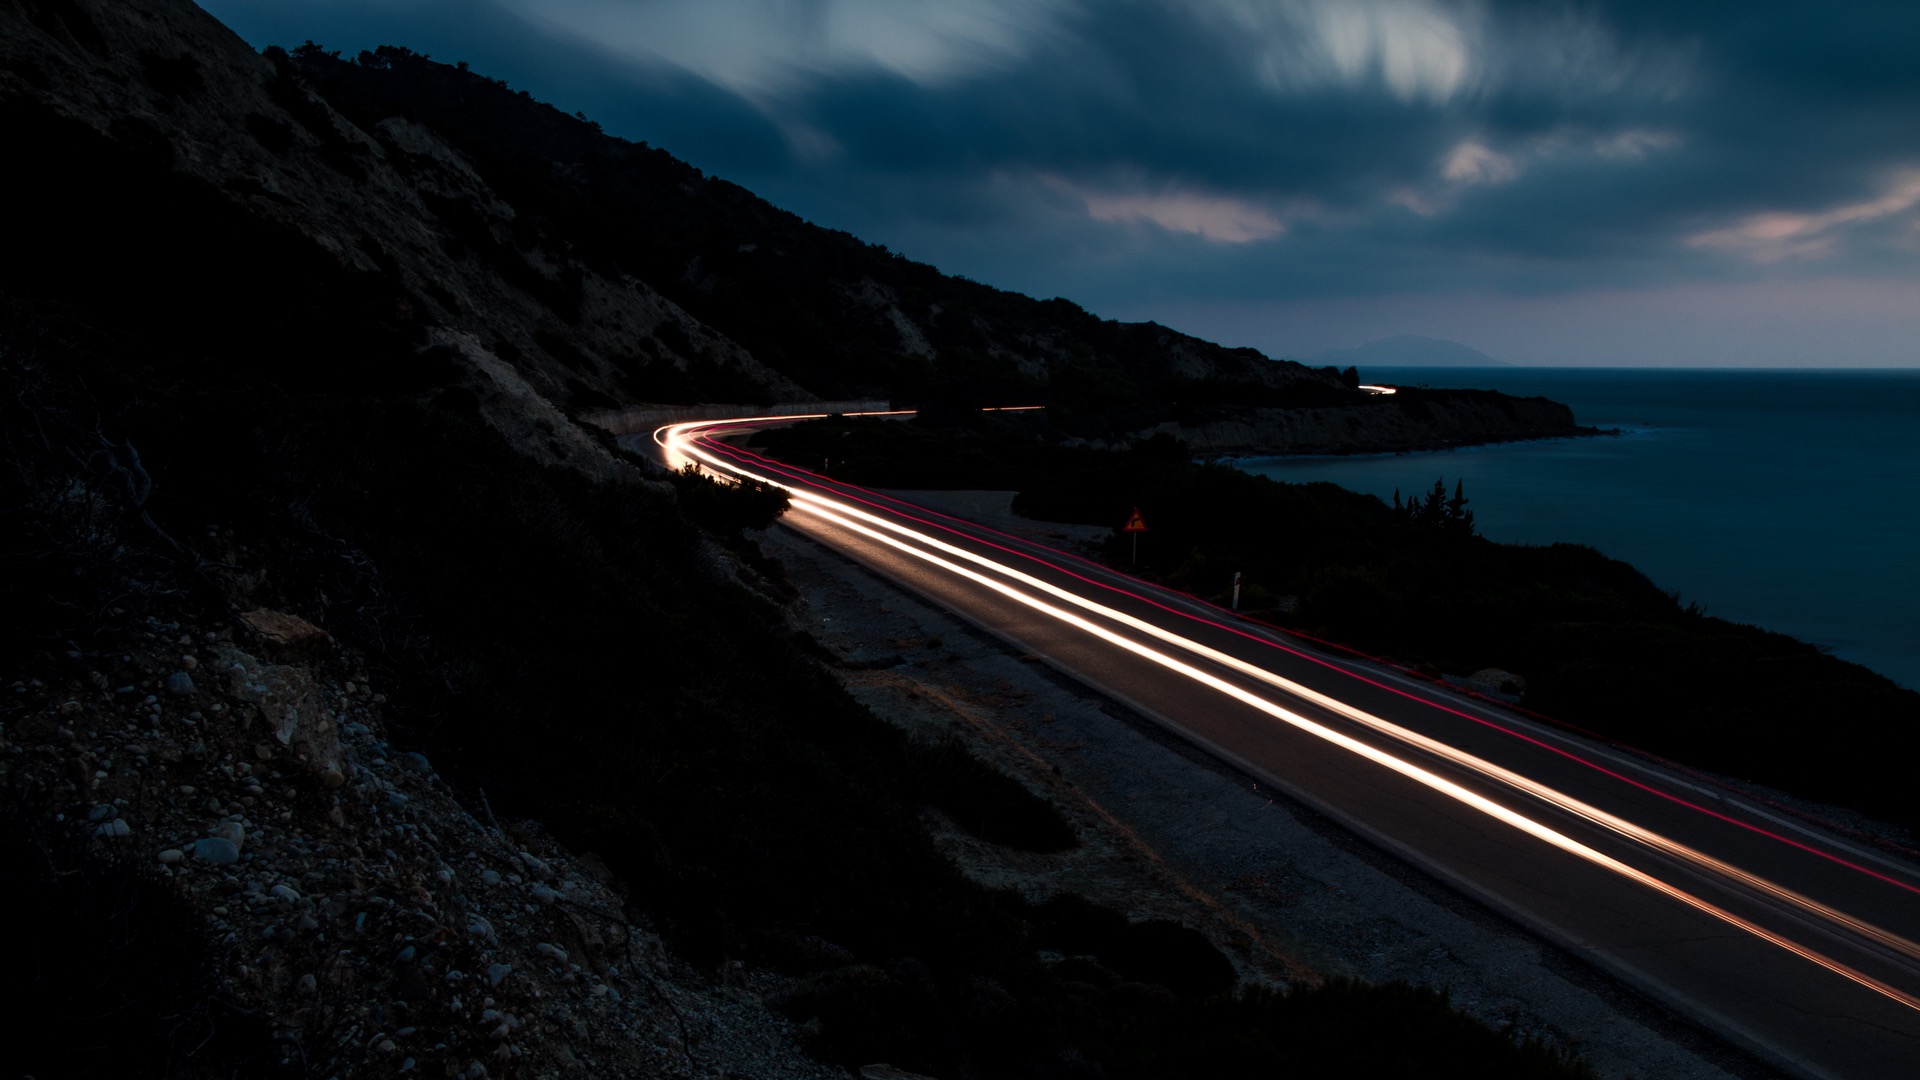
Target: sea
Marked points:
1788	499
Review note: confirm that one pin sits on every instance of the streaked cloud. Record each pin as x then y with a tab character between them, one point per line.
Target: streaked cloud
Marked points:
1633	145
1776	235
1471	162
764	47
1416	50
1134	151
1221	219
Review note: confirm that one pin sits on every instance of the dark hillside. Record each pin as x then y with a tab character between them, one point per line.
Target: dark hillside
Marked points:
595	273
844	318
262	367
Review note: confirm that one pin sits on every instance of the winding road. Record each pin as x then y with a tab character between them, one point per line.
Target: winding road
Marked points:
1794	943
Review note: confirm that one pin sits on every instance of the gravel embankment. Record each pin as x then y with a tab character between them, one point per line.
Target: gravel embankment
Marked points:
371	923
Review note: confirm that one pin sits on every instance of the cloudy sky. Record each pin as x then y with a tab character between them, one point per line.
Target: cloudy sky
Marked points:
1605	182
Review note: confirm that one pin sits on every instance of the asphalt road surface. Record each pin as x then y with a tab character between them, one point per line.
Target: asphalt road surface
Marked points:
1795	943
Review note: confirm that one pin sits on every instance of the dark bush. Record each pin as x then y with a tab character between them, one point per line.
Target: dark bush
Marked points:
727	508
1177	957
984	801
113	975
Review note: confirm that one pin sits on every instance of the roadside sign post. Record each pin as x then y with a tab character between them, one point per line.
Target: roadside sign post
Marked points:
1135	525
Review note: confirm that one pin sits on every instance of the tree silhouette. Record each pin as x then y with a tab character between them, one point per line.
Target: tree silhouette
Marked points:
1436	510
1459	518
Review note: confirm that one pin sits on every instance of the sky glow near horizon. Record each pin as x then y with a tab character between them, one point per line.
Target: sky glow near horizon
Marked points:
1622	182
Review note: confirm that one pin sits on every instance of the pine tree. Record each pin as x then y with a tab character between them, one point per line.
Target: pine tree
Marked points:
1435	509
1459	518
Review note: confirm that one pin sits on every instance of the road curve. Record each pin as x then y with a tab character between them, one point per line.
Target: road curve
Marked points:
1798	945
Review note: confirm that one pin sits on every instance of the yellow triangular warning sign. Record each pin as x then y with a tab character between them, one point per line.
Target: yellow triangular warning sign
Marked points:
1136	523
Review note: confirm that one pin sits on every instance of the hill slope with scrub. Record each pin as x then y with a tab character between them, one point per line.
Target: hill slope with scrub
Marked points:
334	642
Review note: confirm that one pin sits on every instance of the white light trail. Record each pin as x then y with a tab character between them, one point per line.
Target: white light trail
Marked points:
877	528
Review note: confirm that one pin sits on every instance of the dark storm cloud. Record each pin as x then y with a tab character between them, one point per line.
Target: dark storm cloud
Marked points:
1147	96
670	107
1162	106
1132	150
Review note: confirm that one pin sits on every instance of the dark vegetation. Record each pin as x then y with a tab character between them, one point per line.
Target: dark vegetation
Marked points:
174	368
785	289
1599	646
112	965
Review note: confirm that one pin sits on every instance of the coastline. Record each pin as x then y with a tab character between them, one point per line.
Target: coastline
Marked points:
1784	499
1584	432
1405	422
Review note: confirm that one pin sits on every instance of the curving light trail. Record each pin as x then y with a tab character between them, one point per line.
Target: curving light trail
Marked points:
683	439
738	454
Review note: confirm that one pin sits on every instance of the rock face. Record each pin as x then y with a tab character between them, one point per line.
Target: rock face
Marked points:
288	702
288	637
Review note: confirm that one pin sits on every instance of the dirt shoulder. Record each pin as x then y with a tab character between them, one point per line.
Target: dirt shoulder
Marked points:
1168	832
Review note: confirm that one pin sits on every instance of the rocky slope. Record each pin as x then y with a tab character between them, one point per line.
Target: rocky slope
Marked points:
364	921
182	103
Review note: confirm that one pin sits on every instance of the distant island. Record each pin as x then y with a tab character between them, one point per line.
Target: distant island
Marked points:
1407	350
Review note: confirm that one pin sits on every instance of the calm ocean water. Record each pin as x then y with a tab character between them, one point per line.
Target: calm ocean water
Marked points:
1786	499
